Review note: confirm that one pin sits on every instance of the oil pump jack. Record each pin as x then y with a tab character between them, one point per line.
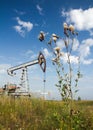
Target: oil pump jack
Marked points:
24	77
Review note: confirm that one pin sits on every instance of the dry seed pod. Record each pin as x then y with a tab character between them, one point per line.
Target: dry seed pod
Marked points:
61	54
65	26
54	59
57	49
41	36
55	37
71	28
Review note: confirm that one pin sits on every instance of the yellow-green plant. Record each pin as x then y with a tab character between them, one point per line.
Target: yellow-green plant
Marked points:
36	114
67	77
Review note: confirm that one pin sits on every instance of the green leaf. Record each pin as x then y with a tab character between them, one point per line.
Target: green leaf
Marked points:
76	91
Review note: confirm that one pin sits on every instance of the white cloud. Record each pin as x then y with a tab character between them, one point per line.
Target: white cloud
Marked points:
85	47
64	13
19	30
82	50
87	62
60	43
73	58
39	9
75	44
3	68
82	19
85	51
23	27
26	25
46	53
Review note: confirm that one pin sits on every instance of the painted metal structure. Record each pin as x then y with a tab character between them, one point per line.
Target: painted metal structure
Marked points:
24	77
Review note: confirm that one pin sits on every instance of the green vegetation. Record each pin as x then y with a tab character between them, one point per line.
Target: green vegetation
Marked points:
37	114
63	61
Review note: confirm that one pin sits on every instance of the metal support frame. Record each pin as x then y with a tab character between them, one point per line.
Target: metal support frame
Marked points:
24	81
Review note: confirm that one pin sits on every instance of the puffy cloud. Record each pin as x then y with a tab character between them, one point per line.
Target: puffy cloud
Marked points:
73	58
46	53
85	47
26	25
82	19
85	51
60	43
75	44
87	62
39	9
19	30
23	27
64	13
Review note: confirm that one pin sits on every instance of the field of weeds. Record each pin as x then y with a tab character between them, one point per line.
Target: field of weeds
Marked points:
36	114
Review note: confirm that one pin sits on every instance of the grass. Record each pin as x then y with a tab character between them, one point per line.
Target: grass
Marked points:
37	114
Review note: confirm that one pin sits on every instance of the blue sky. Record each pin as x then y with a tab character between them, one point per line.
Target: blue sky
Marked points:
20	23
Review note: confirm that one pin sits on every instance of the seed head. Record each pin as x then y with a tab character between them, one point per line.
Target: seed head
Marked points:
55	37
41	36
